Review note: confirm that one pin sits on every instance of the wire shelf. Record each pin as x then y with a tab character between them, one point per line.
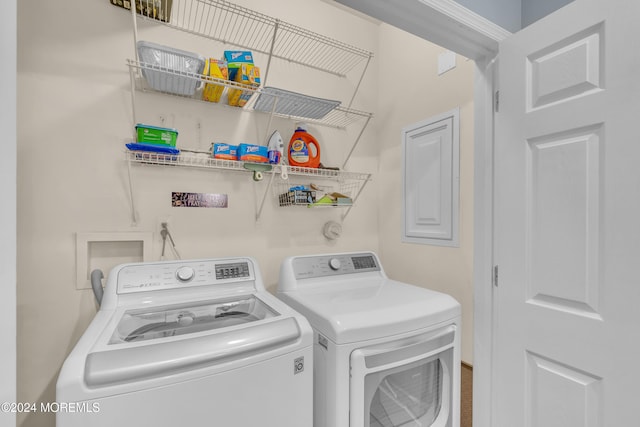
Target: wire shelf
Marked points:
205	161
337	117
339	188
338	175
238	26
177	74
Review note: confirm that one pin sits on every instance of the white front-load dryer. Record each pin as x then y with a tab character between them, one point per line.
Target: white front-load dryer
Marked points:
386	353
193	343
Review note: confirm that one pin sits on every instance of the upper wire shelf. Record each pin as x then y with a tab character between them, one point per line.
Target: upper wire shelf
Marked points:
281	103
231	24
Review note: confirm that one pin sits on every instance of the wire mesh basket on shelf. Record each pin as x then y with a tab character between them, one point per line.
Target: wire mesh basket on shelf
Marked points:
309	194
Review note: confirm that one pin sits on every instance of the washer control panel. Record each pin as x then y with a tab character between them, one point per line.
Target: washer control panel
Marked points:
333	265
181	274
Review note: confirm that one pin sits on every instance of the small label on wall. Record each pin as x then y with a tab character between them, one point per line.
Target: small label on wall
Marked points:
446	62
198	200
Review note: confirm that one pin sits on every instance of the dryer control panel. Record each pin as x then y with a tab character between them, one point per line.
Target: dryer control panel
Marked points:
333	265
181	274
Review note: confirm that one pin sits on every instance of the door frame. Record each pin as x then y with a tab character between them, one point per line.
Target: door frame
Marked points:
8	168
486	81
458	29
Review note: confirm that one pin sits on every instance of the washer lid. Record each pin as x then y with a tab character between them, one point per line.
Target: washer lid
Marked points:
358	309
181	319
161	341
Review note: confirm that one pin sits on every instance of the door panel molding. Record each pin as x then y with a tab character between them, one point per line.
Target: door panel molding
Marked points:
431	180
564	172
556	393
567	69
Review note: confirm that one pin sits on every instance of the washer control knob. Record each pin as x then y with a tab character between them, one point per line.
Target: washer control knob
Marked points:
334	264
184	274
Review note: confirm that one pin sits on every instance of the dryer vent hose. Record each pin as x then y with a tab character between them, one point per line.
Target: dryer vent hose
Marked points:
96	285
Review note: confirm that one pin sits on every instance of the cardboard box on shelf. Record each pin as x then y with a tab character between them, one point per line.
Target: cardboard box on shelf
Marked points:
297	197
235	59
216	68
252	153
225	151
156	9
249	75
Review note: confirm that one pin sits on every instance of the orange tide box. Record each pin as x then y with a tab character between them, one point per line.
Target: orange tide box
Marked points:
216	68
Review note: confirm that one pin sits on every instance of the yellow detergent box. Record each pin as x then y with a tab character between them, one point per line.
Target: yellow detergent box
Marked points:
249	75
216	68
252	153
235	59
225	151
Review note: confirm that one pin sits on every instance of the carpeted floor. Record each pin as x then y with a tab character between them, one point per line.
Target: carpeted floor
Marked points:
466	397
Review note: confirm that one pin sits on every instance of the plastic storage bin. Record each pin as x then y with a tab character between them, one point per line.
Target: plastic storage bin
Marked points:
156	135
166	69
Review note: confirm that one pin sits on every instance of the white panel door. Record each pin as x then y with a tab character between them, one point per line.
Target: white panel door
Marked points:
568	220
431	180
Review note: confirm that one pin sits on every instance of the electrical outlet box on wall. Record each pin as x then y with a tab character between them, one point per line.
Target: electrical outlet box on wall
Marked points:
446	62
104	251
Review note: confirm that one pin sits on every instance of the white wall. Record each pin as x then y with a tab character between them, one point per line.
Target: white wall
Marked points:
423	94
8	209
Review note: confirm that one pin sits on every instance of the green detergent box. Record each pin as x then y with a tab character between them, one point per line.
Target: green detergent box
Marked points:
156	135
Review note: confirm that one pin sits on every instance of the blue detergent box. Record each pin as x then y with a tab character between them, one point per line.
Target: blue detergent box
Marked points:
253	153
225	151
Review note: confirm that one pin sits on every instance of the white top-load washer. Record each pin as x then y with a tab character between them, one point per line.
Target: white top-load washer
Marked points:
193	343
386	353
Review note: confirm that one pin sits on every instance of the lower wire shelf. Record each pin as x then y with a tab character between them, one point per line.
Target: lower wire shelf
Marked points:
326	187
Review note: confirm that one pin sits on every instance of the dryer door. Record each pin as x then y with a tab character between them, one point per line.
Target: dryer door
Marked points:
406	383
